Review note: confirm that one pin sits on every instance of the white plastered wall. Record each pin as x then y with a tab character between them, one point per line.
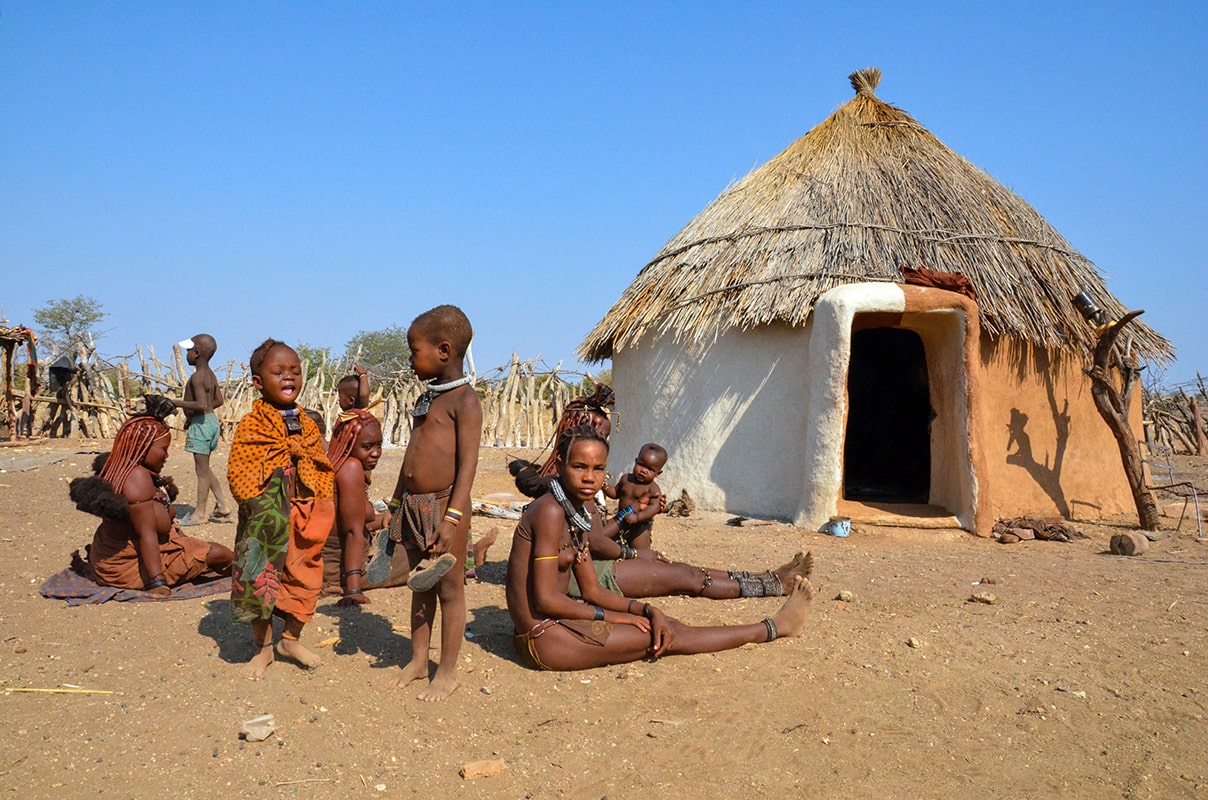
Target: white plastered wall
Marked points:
732	415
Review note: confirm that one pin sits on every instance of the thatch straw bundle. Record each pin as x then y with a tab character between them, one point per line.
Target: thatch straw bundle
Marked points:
866	191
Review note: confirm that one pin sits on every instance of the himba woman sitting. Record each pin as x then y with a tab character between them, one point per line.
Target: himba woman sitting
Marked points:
138	544
555	631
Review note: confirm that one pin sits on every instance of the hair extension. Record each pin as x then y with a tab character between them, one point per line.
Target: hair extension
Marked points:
130	447
344	436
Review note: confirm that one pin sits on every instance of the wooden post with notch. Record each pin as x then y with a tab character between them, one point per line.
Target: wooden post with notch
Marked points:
1113	402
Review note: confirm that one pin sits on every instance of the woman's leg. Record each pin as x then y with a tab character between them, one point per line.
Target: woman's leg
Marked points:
787	622
220	558
561	650
642	577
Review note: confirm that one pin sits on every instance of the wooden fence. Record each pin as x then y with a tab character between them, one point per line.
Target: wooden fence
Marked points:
521	401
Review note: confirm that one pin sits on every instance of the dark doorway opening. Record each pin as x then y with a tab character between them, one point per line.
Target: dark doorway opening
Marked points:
887	451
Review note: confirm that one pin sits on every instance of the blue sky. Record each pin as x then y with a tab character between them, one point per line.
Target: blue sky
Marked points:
309	170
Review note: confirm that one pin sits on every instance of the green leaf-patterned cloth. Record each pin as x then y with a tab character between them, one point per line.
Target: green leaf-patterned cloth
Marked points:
261	543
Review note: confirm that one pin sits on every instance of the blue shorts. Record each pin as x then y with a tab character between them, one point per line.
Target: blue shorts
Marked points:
202	434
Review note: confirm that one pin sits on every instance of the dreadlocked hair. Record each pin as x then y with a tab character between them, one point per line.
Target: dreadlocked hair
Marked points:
348	427
579	433
101	493
579	413
130	447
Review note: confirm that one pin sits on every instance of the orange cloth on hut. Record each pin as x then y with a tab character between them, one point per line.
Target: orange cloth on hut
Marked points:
262	445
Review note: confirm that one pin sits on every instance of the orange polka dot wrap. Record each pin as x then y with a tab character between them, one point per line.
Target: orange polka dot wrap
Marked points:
262	445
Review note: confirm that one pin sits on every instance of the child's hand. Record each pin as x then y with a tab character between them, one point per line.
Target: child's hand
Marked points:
160	592
444	538
662	636
353	600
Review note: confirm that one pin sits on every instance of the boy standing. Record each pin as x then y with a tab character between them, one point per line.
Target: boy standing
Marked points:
283	482
202	396
639	498
431	503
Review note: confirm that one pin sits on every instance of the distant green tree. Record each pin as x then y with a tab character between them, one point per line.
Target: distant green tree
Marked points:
314	354
68	322
316	358
383	352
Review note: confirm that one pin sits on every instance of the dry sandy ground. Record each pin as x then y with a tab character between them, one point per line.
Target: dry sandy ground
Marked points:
1085	678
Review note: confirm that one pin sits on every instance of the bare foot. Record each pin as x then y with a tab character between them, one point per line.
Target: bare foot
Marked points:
482	545
414	671
794	611
254	669
802	564
441	687
293	650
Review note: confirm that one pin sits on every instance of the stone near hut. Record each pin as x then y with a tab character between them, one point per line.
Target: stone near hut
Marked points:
1007	538
483	769
1023	533
1129	544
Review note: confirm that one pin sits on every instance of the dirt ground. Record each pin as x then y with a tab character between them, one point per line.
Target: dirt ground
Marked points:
1084	678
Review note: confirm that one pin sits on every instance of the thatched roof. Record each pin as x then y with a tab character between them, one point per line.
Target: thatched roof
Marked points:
866	191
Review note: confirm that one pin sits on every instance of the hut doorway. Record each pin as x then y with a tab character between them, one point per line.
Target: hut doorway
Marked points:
887	446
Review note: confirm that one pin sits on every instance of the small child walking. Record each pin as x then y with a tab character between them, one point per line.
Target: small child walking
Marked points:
431	502
280	475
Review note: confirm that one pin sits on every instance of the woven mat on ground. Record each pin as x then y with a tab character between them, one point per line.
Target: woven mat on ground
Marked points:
79	589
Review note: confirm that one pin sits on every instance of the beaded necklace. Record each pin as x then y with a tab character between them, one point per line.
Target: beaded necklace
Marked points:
434	390
579	520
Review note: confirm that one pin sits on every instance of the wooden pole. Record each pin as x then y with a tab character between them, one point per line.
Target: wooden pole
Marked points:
1197	425
1113	405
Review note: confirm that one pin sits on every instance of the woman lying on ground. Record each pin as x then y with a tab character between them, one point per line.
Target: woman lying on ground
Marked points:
557	632
138	544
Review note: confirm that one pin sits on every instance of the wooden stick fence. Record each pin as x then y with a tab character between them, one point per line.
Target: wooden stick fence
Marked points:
1177	419
521	401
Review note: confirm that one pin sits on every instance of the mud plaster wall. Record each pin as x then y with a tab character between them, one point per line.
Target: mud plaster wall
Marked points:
732	415
1047	450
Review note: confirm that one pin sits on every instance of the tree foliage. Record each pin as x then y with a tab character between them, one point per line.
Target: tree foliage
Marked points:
68	322
383	352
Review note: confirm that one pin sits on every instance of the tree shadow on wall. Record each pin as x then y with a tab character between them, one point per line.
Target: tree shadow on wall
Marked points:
1047	476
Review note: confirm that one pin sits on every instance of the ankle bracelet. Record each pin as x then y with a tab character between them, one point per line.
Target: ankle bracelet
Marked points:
771	626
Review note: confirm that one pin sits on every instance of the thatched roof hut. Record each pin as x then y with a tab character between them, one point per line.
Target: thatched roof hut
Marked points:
771	345
866	191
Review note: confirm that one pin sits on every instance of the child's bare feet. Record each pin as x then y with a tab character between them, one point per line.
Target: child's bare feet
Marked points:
412	672
481	546
254	669
794	611
802	564
293	650
441	687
